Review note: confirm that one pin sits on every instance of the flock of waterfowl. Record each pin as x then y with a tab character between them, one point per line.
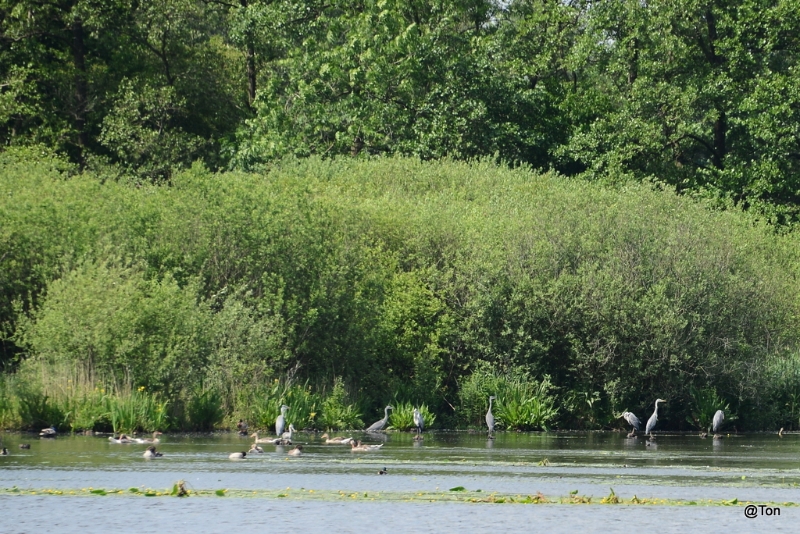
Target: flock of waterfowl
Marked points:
285	437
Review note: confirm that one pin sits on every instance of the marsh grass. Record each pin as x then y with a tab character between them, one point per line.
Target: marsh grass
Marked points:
205	409
522	403
261	404
73	397
402	417
705	403
337	413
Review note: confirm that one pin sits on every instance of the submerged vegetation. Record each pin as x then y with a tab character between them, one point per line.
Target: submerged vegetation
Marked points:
339	286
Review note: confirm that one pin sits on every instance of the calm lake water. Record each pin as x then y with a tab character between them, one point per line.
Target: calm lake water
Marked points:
760	468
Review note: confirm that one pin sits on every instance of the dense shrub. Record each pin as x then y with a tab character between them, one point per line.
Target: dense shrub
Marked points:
400	277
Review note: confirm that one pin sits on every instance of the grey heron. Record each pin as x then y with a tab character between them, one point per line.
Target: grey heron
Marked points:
380	425
633	421
419	422
651	423
490	418
719	417
280	422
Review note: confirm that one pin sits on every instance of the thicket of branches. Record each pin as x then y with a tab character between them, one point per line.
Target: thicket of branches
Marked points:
402	278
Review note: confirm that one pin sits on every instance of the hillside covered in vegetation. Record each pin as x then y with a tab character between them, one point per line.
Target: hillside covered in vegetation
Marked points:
358	283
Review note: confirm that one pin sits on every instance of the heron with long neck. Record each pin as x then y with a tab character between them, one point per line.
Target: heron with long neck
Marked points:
651	423
419	422
380	425
280	422
490	418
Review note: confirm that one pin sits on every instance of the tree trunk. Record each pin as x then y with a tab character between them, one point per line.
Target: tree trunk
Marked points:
250	58
79	62
251	72
720	130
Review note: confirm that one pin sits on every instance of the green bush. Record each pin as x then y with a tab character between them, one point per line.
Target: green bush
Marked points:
205	409
521	402
705	403
402	417
396	275
262	405
337	413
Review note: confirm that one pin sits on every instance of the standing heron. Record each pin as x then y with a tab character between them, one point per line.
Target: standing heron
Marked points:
490	418
719	417
280	422
633	421
377	426
651	423
419	422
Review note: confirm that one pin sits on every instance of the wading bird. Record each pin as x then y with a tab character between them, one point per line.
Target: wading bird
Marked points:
719	417
419	422
633	421
651	423
380	425
151	452
490	418
280	422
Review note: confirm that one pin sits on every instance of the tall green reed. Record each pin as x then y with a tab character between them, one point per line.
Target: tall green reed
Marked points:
402	417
